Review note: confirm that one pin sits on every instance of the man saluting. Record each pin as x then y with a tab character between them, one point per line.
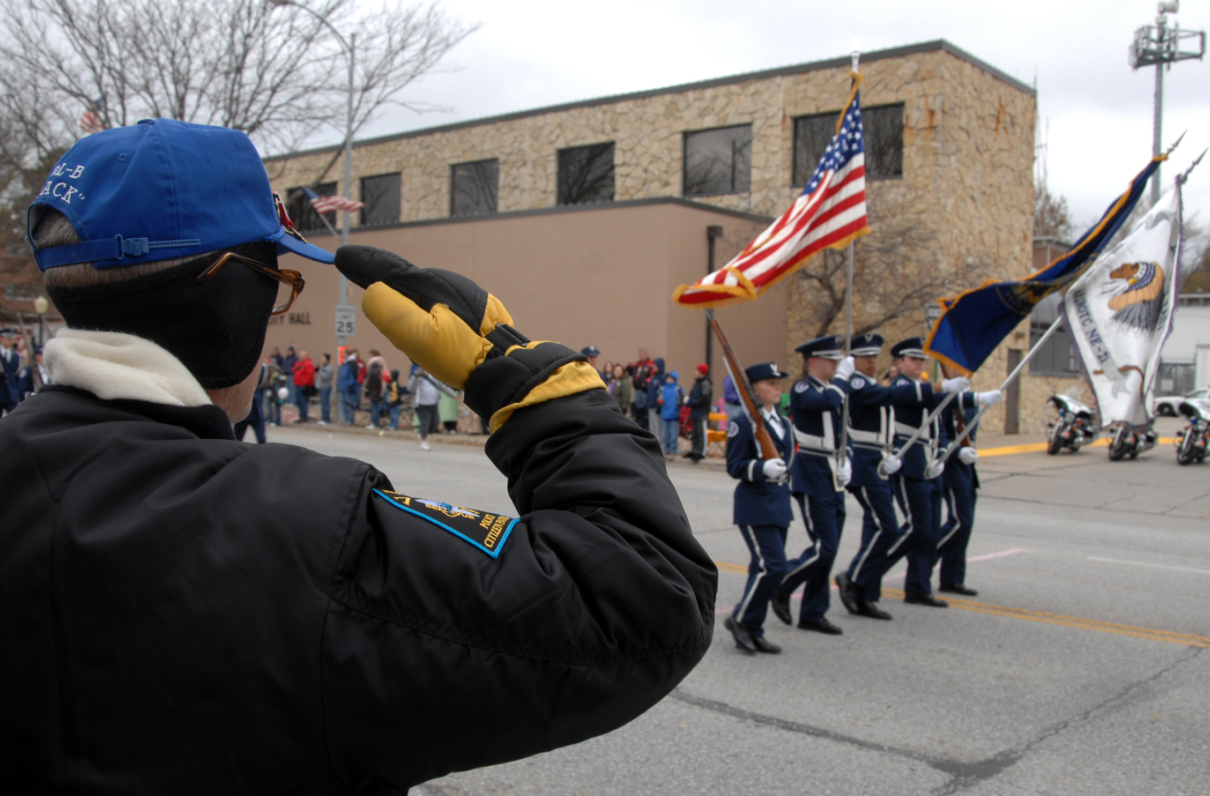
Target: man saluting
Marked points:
188	614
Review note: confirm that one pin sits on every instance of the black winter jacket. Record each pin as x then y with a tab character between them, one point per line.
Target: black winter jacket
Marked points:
186	614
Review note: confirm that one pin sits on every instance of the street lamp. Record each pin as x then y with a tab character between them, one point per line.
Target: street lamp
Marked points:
41	305
1157	46
348	48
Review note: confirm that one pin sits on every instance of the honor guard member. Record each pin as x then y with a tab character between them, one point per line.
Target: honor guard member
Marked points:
959	483
762	506
916	485
871	436
818	482
189	614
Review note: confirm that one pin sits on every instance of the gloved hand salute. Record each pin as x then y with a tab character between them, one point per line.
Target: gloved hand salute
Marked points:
462	334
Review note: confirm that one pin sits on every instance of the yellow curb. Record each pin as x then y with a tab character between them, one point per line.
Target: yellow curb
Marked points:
1035	447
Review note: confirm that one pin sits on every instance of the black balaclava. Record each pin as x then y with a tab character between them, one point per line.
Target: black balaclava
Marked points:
216	328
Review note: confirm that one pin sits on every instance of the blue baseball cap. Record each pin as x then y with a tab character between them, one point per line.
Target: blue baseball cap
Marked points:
765	370
162	190
826	347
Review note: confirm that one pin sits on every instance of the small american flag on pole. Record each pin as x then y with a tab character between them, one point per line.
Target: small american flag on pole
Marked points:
829	214
91	121
327	204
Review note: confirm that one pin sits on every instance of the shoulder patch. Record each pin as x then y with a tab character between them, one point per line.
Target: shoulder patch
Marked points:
857	383
732	429
488	532
801	386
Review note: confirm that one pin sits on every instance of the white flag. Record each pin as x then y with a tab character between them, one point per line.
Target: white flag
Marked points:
1120	312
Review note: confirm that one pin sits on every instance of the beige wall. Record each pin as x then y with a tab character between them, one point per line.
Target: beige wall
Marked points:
966	188
603	276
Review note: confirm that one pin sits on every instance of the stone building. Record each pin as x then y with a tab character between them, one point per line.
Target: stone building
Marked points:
584	217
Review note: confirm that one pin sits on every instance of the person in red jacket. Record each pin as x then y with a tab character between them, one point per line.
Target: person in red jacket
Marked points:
304	381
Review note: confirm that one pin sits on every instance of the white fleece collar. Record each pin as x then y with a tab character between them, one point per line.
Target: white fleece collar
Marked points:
114	366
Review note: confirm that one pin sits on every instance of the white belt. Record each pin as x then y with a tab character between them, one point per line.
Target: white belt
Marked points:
907	431
857	435
812	442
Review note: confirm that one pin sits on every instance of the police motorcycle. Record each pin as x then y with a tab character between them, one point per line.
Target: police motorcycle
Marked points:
1075	425
1191	442
1130	441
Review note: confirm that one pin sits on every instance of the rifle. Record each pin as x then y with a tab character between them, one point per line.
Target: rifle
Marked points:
959	415
768	450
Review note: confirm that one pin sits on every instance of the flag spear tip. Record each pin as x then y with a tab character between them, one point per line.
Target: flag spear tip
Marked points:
1176	143
1184	176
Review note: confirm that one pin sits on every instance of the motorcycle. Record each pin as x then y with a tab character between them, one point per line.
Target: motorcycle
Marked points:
1130	441
1191	442
1074	426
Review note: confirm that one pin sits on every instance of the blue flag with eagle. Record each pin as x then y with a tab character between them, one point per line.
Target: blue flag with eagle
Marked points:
973	323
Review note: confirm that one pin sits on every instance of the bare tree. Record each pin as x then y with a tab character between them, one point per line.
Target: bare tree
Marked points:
1052	218
892	278
276	74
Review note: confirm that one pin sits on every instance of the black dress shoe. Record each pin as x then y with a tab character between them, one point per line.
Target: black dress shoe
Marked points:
871	610
743	639
920	598
822	625
780	603
765	646
958	588
848	594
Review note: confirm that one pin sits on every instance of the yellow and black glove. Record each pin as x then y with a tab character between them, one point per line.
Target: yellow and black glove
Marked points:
462	334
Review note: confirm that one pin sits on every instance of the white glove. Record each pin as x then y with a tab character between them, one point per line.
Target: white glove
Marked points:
775	469
934	470
989	398
846	368
892	465
955	385
967	455
844	473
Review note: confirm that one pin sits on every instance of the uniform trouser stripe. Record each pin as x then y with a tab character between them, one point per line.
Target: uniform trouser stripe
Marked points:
863	497
806	518
951	511
908	527
764	570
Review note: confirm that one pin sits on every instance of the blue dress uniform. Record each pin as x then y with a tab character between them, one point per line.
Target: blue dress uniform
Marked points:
919	498
762	507
959	483
871	434
816	411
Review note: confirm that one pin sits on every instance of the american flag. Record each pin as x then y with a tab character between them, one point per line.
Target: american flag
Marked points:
829	213
326	204
91	121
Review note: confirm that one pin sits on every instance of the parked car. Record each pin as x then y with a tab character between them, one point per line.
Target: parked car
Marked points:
1170	405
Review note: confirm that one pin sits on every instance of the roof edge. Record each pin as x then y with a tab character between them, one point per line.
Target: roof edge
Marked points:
548	211
811	66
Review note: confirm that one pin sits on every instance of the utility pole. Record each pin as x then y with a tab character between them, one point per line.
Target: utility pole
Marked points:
1157	46
713	233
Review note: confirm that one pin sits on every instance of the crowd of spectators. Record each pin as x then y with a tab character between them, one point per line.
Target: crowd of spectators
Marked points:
22	371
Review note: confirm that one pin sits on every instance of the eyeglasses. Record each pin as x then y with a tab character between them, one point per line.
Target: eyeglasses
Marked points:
291	279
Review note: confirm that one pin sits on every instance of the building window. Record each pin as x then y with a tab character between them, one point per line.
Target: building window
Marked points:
586	174
381	197
1176	378
303	215
883	127
1056	357
473	187
718	161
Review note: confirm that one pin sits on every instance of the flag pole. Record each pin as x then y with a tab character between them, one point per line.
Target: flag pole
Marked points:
842	449
1011	378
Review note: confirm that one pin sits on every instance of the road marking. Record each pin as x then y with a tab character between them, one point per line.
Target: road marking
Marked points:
1035	447
1168	636
997	555
1154	566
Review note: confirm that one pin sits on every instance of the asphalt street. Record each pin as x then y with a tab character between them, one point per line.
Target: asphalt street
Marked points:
1083	666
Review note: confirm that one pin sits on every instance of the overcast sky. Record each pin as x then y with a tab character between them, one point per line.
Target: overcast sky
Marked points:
531	53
